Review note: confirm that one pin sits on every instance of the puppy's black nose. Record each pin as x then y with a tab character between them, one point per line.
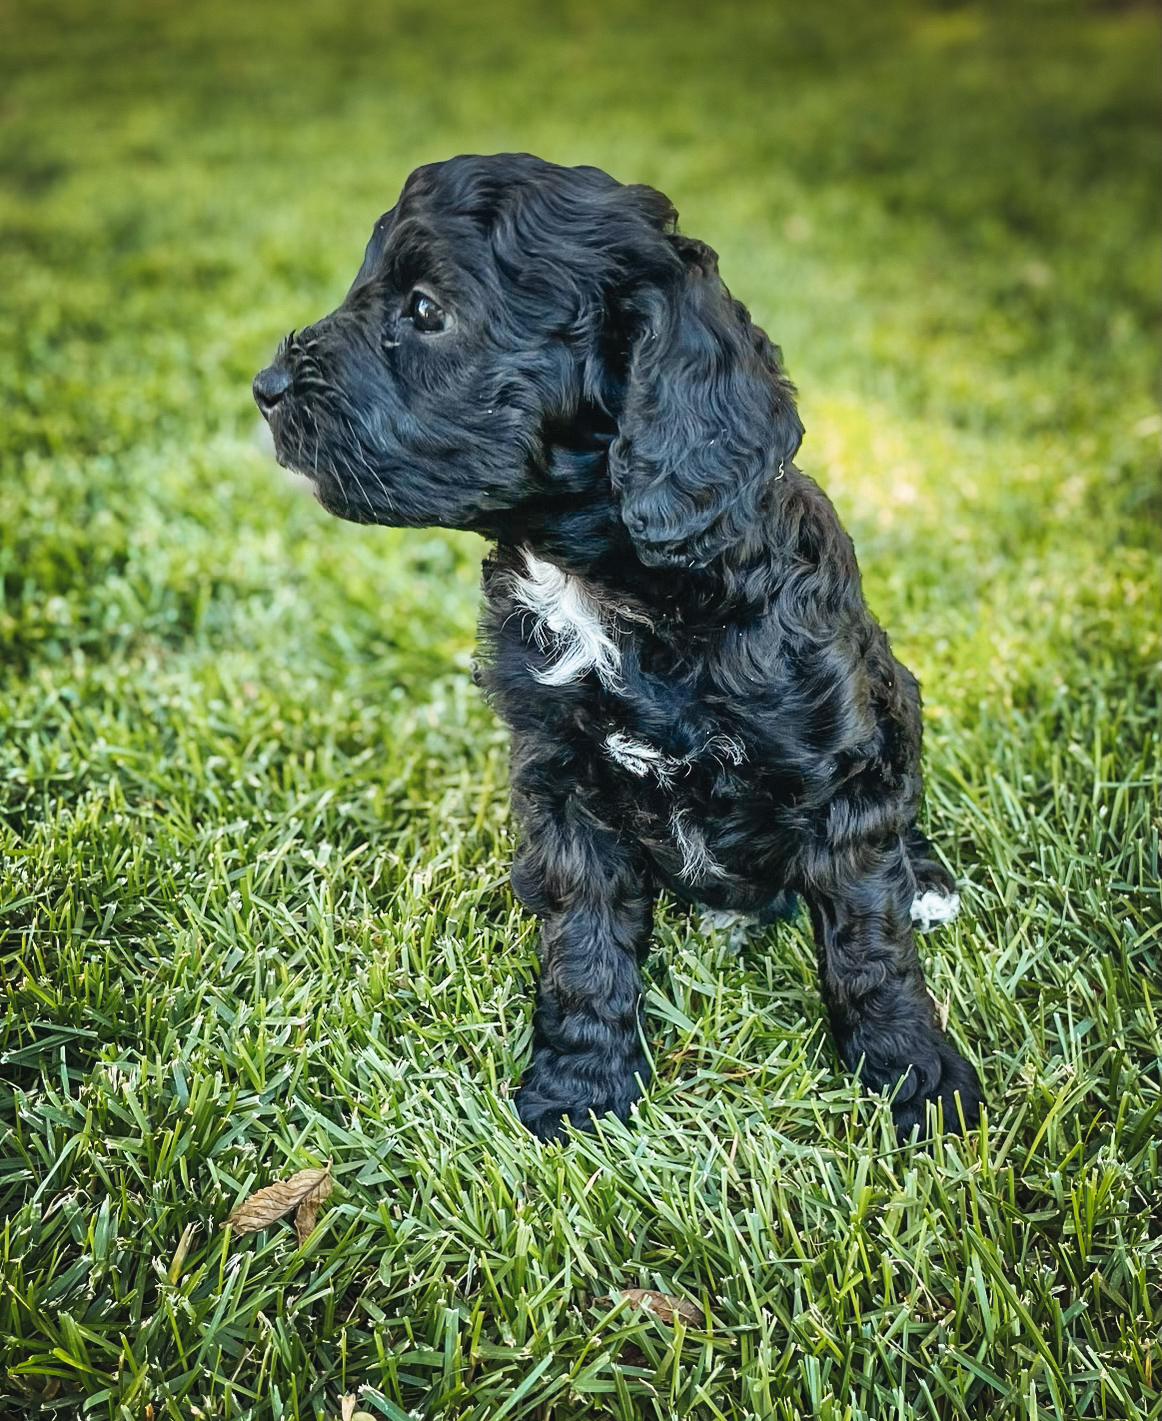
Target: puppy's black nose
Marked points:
269	386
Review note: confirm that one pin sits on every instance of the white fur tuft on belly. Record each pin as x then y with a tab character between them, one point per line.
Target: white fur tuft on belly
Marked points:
697	861
642	759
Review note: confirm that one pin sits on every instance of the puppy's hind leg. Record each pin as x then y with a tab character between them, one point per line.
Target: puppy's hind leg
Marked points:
882	1015
575	872
935	901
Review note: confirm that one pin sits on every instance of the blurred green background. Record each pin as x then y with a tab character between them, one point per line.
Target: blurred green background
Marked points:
254	913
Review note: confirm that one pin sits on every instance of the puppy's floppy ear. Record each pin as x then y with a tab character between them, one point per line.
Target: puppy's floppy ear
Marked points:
708	418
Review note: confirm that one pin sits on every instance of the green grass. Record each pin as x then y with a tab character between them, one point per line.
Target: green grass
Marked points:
254	912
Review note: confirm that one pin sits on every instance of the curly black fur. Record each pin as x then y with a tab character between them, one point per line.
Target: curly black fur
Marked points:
699	697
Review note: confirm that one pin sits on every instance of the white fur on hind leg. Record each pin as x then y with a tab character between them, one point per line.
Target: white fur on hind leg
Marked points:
932	910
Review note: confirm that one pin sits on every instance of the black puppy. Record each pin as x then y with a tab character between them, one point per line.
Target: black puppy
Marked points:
698	695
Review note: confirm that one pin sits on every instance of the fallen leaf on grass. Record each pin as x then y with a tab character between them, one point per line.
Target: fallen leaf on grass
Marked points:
303	1192
348	1412
308	1210
665	1306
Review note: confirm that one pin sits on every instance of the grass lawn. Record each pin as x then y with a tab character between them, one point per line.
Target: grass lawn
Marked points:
254	910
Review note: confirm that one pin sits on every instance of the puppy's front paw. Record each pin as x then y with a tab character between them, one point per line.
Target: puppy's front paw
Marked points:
562	1088
916	1065
939	1076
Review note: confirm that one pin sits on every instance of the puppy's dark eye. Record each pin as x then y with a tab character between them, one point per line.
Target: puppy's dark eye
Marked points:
427	315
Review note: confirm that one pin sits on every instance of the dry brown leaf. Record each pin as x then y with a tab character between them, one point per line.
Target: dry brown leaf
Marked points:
665	1306
305	1216
347	1407
273	1202
308	1210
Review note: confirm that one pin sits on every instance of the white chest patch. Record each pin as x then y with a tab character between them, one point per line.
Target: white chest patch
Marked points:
932	910
568	623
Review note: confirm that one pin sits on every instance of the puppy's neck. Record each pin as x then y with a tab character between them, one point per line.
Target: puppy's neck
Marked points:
602	559
573	521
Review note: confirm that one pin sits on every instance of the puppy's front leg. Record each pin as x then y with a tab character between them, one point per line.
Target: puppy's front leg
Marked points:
881	1012
574	871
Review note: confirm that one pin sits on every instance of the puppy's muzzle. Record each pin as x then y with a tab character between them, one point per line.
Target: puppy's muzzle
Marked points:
269	386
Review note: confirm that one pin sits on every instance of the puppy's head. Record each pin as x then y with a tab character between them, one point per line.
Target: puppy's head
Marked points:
523	338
